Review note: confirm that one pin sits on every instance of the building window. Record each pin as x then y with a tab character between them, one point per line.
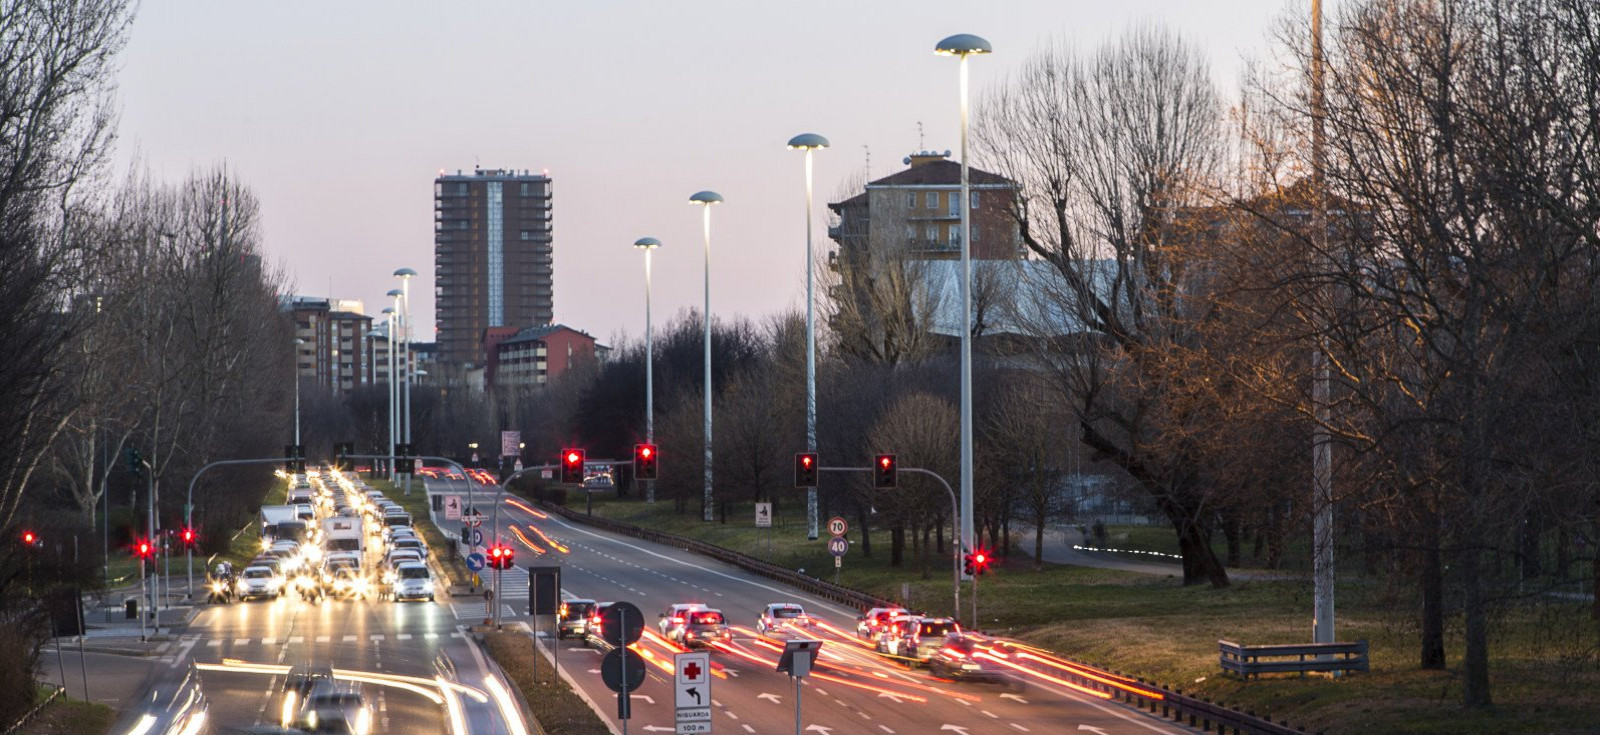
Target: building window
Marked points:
975	232
911	200
955	236
496	264
974	200
527	189
933	234
955	201
527	234
933	200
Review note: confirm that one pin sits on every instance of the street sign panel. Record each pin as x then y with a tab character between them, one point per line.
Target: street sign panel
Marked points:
692	676
763	515
837	526
611	669
622	624
544	590
473	519
798	653
475	562
452	507
838	545
510	442
693	727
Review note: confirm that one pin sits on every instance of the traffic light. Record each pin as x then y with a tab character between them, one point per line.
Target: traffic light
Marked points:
644	461
341	455
501	556
572	466
143	548
188	536
980	562
294	458
967	564
805	469
135	462
29	538
885	472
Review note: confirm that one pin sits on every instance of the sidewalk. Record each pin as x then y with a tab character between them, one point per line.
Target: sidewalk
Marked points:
1060	540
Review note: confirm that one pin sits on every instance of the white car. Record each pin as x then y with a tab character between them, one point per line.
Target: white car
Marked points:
259	582
780	615
413	581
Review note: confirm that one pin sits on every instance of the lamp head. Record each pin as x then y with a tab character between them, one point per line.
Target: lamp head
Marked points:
962	44
395	292
647	243
705	197
808	141
404	273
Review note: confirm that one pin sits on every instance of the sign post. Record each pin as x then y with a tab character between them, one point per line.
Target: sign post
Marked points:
798	655
622	669
837	546
692	684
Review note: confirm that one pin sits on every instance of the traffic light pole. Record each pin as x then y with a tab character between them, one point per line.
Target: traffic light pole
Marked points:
188	503
955	542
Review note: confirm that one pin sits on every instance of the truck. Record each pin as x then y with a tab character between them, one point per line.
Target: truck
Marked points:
343	533
272	515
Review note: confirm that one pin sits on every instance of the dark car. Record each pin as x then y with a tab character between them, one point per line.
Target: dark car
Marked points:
592	629
297	687
959	659
573	618
338	708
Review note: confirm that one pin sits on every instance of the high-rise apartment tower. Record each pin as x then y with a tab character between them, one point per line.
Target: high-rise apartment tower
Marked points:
492	258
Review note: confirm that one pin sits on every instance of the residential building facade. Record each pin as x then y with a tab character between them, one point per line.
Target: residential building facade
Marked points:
532	357
493	258
918	211
333	345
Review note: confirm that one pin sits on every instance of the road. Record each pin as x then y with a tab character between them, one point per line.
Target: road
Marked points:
855	691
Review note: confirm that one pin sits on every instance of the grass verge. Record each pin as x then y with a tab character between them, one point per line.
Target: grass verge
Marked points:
67	716
1543	656
558	709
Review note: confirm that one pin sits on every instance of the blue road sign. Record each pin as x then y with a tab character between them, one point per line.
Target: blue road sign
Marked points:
475	561
838	545
476	537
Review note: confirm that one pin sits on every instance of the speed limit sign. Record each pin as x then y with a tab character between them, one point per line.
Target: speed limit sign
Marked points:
837	526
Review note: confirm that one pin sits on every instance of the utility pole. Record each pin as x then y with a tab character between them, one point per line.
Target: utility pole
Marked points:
1321	442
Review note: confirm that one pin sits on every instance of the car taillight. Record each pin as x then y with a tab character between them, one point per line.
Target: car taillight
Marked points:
677	621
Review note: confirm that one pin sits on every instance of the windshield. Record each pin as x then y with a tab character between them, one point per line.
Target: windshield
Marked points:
337	699
929	629
399	519
413	572
407	542
257	573
786	612
345	544
291	530
706	618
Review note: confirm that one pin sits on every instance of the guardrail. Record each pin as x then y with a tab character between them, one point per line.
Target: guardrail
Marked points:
825	590
1169	703
57	692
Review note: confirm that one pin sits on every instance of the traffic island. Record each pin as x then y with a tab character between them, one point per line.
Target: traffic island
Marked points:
556	707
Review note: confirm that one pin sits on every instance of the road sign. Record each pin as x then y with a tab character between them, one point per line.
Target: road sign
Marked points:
798	653
611	669
475	562
837	526
692	678
838	545
475	538
510	443
452	507
473	519
622	624
763	515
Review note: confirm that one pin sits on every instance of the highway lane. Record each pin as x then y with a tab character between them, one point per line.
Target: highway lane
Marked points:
859	691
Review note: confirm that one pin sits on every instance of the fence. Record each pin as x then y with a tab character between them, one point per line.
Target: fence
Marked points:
1167	702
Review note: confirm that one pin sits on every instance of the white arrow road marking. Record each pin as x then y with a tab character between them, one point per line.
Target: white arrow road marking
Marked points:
653	728
1019	727
890	696
991	715
959	730
1017	697
1095	730
594	671
769	696
645	697
820	728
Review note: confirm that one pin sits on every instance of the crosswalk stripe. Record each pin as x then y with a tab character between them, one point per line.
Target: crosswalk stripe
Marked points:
404	637
378	637
349	639
246	641
213	643
323	639
268	641
297	639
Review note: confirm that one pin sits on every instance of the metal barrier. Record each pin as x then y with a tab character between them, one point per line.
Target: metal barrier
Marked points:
1135	692
51	697
1326	657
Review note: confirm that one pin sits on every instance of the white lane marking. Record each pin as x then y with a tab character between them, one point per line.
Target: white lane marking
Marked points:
241	641
403	637
349	639
748	728
430	636
991	715
324	638
213	643
724	575
886	729
297	639
730	714
268	641
376	637
1019	727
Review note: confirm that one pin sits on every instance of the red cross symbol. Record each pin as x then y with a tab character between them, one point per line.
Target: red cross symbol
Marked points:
692	671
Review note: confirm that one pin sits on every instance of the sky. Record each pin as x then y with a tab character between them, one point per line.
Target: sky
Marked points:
340	114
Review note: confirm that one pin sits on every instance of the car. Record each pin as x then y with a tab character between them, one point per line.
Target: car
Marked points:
699	626
258	581
872	621
594	630
409	542
915	638
573	617
345	581
674	616
780	615
335	707
392	562
413	581
958	659
298	685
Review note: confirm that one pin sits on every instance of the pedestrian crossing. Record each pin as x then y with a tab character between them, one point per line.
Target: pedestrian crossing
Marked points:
477	611
323	639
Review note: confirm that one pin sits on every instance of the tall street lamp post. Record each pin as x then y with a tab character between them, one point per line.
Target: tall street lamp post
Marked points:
297	344
961	46
810	142
648	244
405	274
706	199
388	384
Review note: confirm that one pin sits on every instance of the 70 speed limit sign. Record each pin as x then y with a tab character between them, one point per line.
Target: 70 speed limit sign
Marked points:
837	526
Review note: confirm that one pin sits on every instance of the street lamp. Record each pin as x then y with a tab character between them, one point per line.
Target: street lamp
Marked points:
405	274
706	199
810	142
648	244
963	45
297	344
388	339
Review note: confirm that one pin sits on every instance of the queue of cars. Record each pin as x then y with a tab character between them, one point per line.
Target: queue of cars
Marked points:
317	545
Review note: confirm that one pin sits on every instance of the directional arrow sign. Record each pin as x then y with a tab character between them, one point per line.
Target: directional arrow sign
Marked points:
959	730
1017	697
692	676
768	696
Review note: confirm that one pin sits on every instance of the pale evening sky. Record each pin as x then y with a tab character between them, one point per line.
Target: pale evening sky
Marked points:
340	114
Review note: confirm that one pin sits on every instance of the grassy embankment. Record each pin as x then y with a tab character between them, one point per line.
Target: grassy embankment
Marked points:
1543	663
67	716
558	709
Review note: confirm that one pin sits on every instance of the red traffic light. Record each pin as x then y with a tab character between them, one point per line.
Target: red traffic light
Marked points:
980	562
647	451
29	538
805	469
644	461
885	472
188	537
573	457
142	548
572	466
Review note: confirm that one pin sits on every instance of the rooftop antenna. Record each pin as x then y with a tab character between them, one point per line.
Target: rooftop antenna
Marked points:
919	135
867	150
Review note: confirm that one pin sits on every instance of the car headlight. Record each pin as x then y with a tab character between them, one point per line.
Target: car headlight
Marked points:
266	545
